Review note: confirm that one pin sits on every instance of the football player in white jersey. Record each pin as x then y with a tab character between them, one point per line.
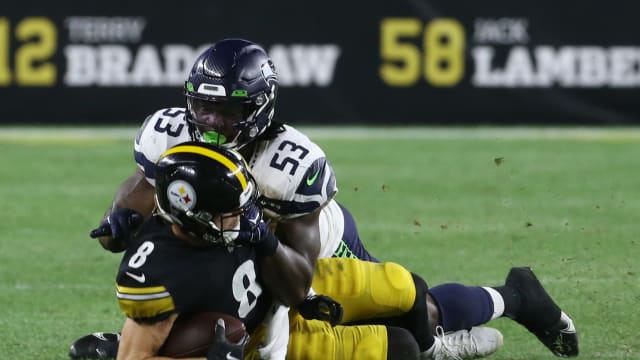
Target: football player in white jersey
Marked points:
231	93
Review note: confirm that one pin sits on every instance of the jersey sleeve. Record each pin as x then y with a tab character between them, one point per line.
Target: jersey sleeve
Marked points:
150	282
145	304
294	176
160	131
161	274
141	297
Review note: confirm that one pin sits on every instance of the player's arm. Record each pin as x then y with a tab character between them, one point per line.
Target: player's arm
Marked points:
135	194
298	229
289	271
142	340
134	199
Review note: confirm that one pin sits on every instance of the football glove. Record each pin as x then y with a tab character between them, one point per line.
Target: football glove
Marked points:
251	226
255	232
119	225
321	307
95	346
222	349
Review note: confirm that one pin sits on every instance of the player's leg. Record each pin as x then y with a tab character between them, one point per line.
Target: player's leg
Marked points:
351	245
537	311
522	298
468	342
313	339
386	293
366	290
462	307
401	344
395	293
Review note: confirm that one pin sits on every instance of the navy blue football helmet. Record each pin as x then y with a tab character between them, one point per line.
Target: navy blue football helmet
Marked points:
235	78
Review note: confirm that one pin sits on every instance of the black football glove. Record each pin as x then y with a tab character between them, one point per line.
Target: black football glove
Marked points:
321	307
222	349
119	225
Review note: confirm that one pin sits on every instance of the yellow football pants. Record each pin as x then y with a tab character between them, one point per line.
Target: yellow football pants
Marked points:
366	290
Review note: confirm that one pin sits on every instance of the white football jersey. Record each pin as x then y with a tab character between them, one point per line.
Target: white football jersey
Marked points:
293	174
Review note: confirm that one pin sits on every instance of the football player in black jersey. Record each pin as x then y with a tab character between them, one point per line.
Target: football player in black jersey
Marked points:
205	250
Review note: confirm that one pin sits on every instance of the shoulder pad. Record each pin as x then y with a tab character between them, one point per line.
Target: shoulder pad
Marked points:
294	175
159	132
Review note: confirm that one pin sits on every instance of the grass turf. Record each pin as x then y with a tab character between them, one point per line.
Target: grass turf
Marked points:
459	205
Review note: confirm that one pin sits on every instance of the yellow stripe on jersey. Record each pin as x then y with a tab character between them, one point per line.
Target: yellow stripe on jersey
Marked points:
140	290
212	155
144	302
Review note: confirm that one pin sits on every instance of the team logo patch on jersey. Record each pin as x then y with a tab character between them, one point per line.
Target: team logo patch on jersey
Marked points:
181	195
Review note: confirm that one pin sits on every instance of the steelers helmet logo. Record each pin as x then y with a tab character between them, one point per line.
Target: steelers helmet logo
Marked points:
181	195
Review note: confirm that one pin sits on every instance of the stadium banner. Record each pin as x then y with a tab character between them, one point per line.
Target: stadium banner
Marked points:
338	62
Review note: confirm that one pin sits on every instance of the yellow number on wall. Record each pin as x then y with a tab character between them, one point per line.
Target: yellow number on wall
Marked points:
30	68
441	62
444	52
401	65
5	70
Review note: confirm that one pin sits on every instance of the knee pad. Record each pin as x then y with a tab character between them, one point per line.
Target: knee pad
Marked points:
366	290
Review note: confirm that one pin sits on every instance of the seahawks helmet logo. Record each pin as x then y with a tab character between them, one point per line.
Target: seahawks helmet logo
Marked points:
267	72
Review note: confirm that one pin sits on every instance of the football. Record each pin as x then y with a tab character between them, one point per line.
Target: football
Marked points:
193	334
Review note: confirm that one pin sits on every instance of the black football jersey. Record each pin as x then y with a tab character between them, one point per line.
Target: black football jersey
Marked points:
161	274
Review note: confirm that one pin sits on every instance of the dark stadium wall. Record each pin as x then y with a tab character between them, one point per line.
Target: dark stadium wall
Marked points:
389	62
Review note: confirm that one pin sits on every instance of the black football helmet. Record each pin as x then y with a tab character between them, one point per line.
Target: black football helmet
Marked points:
233	72
196	182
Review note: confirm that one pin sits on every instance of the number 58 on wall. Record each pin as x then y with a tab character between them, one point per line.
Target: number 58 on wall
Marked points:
441	60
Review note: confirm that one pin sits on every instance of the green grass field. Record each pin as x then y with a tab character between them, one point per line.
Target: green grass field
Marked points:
459	205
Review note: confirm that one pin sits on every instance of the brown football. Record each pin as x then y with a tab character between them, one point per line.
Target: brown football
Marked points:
193	334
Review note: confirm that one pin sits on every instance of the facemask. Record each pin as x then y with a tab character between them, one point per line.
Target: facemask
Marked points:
230	235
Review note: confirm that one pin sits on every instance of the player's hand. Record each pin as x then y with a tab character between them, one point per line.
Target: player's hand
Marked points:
222	349
321	307
255	232
252	228
118	225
